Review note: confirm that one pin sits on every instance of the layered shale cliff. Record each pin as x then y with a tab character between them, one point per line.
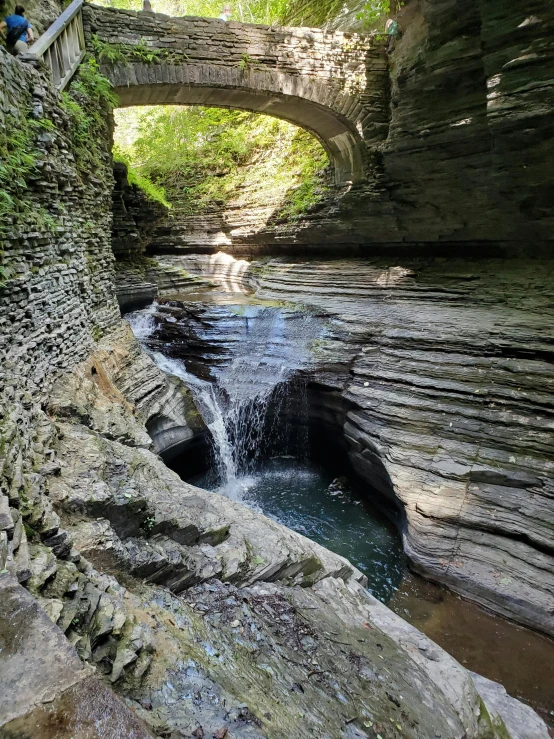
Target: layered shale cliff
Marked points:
206	617
437	377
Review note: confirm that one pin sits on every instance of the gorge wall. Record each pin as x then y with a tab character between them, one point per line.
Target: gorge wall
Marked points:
199	612
437	377
464	166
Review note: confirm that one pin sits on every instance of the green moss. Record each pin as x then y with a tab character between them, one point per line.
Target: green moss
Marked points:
18	157
143	182
489	728
30	533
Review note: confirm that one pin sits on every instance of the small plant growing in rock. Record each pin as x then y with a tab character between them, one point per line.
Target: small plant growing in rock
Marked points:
106	52
148	524
110	53
245	62
144	53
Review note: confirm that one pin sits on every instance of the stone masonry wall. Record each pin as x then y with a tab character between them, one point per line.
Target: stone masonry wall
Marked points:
333	84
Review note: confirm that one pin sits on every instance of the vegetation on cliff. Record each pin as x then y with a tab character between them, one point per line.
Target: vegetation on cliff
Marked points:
87	103
199	159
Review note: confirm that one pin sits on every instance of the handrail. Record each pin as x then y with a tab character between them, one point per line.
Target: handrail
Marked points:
62	45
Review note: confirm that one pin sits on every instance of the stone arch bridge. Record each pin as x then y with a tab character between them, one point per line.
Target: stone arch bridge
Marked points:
333	84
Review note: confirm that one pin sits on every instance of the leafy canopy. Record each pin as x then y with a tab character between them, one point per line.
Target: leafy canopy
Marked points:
202	157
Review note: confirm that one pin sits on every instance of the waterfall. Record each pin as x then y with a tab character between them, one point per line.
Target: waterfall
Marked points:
209	407
270	345
142	322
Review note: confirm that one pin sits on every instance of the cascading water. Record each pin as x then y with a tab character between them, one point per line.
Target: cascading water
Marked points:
269	345
253	353
142	322
209	408
273	347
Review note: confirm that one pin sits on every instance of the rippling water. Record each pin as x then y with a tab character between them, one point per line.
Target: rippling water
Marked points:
304	498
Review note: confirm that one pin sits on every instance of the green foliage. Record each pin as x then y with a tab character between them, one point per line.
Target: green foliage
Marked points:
363	14
153	191
310	191
106	52
141	52
245	61
88	104
134	177
90	83
246	11
17	161
126	53
203	157
373	12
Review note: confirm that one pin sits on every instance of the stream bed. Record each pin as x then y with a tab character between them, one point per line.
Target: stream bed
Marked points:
306	497
243	359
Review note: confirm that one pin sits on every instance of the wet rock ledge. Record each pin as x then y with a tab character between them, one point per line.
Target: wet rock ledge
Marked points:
207	619
437	377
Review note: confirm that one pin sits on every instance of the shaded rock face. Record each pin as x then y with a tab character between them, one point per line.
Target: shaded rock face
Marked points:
439	377
464	167
226	620
121	394
47	691
134	216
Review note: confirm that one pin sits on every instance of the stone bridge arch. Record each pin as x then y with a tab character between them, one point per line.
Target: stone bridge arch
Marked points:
334	85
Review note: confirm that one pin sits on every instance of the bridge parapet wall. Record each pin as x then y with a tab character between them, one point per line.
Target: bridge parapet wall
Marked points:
333	84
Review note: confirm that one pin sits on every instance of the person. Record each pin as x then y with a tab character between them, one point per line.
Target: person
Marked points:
20	32
147	6
225	14
393	32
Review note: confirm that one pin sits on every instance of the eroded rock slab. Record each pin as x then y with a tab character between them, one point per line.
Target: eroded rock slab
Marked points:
46	691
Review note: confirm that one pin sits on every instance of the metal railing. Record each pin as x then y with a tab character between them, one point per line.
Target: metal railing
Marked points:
62	46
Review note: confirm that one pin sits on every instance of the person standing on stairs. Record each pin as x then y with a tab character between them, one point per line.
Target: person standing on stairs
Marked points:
392	30
20	32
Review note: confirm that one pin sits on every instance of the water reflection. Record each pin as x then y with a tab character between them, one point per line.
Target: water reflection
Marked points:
304	497
520	659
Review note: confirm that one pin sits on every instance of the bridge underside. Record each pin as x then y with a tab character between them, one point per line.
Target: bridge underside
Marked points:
338	136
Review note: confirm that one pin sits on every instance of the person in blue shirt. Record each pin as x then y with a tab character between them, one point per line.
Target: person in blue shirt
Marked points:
20	33
392	30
